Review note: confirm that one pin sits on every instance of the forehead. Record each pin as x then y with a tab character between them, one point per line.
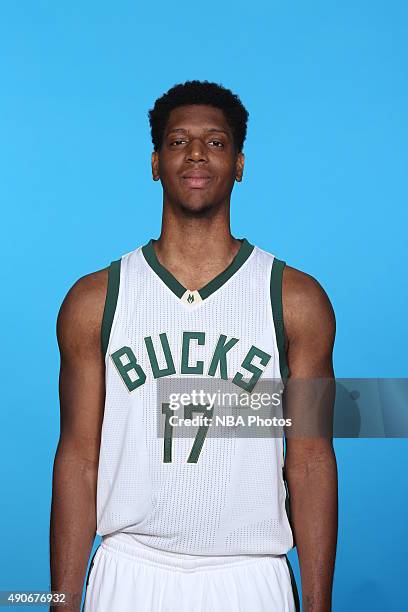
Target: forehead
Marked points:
196	116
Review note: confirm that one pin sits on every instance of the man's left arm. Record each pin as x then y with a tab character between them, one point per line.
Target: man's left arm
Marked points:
310	463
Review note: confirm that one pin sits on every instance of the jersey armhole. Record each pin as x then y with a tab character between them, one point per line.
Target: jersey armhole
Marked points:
110	303
277	313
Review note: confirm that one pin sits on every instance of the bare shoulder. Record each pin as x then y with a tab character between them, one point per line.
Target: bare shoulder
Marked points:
80	316
307	309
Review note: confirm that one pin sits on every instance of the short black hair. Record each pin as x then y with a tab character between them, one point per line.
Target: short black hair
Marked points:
199	92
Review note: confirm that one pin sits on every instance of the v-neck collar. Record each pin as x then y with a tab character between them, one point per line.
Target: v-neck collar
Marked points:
178	289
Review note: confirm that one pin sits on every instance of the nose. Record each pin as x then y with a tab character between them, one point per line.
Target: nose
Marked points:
196	151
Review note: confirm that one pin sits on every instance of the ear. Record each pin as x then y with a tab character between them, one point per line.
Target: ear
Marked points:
239	167
155	166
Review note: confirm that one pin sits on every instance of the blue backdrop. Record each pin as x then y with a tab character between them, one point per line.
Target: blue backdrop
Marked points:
325	189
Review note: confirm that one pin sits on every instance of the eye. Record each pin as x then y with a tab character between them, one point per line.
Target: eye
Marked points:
218	143
176	142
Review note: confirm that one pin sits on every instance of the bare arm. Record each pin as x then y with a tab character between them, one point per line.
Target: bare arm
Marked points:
310	464
82	392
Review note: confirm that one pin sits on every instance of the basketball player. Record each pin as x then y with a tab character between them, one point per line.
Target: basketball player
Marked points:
188	526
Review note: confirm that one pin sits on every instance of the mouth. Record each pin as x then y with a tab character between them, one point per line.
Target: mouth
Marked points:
196	180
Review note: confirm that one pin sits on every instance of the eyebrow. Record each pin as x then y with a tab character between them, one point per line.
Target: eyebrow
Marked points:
207	130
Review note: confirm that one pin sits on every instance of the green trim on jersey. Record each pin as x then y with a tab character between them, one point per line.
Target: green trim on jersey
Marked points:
294	585
240	258
277	312
91	564
177	288
287	497
166	276
110	303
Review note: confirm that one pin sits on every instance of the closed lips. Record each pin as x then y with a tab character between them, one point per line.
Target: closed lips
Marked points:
196	180
200	175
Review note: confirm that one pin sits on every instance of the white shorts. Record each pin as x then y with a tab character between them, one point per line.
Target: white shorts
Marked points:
133	577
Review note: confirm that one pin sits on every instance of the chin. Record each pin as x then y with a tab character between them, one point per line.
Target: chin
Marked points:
197	208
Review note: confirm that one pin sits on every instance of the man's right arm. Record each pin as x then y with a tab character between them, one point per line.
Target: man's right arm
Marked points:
82	394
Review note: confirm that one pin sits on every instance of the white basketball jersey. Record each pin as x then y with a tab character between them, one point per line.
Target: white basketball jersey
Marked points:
207	494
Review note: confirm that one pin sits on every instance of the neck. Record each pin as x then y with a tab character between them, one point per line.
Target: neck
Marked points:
196	248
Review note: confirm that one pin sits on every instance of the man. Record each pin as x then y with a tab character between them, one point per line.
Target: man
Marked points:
185	525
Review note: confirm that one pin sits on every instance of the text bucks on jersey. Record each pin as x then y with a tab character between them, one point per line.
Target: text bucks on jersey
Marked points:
133	375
